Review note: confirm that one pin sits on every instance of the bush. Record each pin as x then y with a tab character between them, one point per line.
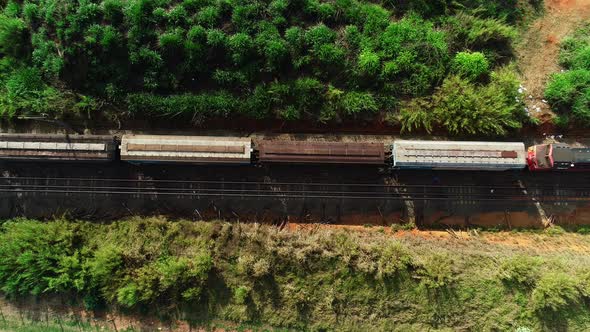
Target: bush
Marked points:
470	65
241	294
324	278
569	92
208	16
12	36
195	47
462	107
418	53
369	63
357	102
319	35
555	292
241	47
435	272
563	88
521	270
35	258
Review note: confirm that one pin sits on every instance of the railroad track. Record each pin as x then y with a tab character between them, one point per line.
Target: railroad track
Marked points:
196	189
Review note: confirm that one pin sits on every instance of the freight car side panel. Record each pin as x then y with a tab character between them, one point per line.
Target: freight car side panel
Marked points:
185	149
453	155
39	147
320	152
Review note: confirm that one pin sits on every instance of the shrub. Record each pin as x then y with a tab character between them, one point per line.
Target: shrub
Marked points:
241	47
461	107
417	52
290	112
521	270
573	52
241	294
275	52
193	46
581	59
295	37
354	103
375	20
470	65
555	230
352	36
178	15
554	292
12	36
435	271
369	63
492	36
330	56
171	42
319	35
308	94
208	16
216	38
563	88
393	259
34	256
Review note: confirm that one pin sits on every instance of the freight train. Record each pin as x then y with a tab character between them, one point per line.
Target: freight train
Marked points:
399	154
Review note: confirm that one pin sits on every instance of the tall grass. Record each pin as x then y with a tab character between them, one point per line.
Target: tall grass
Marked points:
320	280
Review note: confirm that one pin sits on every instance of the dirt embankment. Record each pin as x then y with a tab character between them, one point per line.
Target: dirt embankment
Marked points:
538	50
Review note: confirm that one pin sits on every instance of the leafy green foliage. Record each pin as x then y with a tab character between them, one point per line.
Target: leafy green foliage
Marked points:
555	292
521	270
461	107
470	65
13	36
569	92
208	57
332	279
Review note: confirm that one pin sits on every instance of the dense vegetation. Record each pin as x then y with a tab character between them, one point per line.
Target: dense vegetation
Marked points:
569	91
320	61
322	280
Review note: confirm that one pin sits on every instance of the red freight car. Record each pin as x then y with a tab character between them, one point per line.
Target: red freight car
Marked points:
546	157
320	152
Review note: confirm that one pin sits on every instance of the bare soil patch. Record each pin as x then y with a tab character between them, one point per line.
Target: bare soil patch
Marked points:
539	49
539	241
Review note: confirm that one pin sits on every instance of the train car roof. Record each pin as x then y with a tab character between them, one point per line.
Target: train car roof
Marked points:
55	147
459	153
188	149
280	151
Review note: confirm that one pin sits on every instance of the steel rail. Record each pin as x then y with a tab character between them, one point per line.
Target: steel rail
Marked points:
278	195
466	195
516	187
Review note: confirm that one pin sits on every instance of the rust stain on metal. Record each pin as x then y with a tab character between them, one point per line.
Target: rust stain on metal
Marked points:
321	152
509	154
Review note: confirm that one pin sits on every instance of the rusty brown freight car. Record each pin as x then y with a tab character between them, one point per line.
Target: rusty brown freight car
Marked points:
320	152
54	147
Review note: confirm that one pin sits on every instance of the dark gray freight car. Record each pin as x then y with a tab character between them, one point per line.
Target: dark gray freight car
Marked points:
43	147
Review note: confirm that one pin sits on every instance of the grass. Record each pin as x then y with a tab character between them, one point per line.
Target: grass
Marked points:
321	280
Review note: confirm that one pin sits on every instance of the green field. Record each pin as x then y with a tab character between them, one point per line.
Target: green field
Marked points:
319	279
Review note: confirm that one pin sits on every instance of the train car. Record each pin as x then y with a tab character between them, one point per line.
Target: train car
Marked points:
185	149
320	152
449	155
53	147
558	156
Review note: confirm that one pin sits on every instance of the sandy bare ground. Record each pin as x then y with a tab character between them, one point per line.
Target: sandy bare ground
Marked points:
539	49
